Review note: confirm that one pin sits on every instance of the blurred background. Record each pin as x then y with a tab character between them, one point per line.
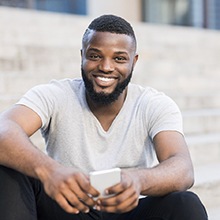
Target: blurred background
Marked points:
196	13
179	54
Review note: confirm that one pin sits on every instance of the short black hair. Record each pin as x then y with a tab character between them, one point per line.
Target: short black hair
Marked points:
112	24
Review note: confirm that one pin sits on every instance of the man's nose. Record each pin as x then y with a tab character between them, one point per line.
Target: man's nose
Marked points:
106	66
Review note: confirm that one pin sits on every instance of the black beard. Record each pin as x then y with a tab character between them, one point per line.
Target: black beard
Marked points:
103	98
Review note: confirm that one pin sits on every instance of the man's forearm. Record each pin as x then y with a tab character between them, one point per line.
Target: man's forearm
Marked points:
19	153
174	174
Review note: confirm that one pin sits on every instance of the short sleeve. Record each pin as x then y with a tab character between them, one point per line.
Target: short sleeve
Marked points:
42	100
163	115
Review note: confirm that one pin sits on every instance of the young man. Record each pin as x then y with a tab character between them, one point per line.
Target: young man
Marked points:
98	122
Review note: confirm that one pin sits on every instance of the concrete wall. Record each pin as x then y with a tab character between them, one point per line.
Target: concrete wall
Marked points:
129	9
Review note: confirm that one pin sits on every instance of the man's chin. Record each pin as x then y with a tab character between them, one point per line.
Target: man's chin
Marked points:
103	91
102	98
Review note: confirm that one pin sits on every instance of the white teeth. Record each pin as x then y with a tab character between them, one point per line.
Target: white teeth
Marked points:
105	79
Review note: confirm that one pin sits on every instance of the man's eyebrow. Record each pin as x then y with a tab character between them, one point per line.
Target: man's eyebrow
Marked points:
99	51
121	52
94	50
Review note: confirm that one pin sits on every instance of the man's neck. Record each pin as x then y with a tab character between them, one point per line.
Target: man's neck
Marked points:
107	113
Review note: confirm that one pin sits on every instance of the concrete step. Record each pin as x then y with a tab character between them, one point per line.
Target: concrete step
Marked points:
49	28
15	83
204	148
38	141
53	44
207	186
214	213
201	121
197	101
37	59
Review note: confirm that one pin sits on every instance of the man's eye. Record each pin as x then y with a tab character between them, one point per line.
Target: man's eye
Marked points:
120	59
94	57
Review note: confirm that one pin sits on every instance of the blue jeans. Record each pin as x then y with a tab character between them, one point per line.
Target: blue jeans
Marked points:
23	198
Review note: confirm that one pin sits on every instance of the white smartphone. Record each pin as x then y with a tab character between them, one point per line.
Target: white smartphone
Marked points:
103	179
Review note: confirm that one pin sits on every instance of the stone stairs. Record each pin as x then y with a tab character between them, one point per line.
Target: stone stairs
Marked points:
207	186
202	132
183	62
203	137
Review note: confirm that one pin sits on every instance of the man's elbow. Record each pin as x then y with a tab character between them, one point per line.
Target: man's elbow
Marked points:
188	180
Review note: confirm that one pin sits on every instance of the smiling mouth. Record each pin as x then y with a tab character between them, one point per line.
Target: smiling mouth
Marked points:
105	82
105	79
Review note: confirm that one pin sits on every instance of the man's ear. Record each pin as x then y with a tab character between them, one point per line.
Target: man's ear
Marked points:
135	59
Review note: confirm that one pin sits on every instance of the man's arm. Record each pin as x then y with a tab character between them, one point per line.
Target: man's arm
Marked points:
16	149
173	173
65	185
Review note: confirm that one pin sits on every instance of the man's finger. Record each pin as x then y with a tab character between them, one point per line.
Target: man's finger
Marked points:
64	204
75	201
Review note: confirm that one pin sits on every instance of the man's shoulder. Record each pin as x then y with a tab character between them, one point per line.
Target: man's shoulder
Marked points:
144	91
65	85
149	95
57	89
67	82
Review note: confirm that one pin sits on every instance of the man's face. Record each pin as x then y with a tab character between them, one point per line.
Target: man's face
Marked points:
107	64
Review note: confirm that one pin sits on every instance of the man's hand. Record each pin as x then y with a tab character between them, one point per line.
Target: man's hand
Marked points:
70	188
127	194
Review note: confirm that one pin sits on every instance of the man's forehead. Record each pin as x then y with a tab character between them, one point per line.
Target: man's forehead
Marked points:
100	37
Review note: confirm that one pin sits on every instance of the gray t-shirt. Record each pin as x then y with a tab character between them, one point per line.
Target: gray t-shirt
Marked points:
74	136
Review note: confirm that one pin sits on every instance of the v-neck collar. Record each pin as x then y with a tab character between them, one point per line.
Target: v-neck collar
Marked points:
116	119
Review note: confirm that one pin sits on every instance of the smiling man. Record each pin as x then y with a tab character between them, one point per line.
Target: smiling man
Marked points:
108	60
99	122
